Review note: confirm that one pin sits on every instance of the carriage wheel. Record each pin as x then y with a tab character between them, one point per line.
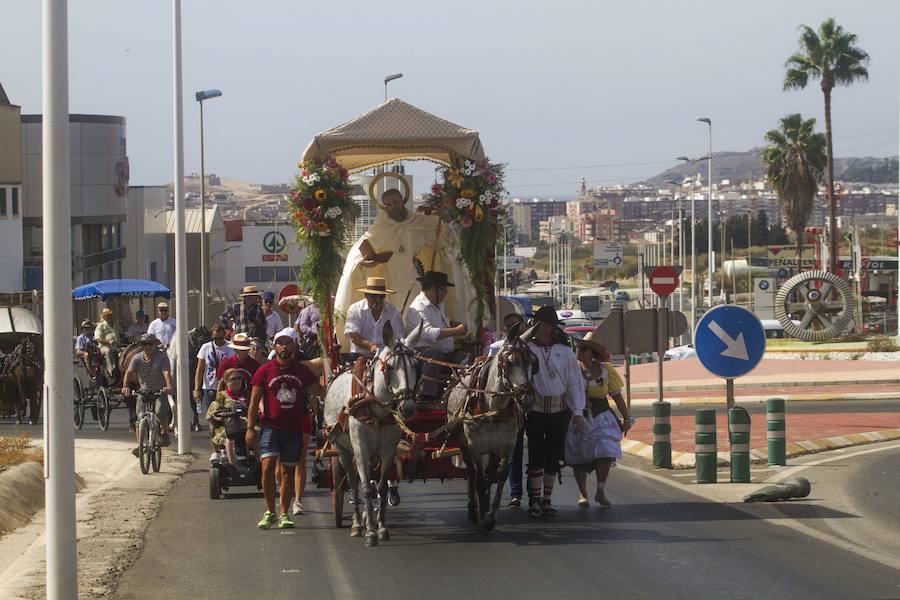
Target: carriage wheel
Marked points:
78	403
103	408
156	456
338	485
144	446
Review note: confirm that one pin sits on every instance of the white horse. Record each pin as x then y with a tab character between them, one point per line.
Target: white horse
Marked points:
368	432
492	401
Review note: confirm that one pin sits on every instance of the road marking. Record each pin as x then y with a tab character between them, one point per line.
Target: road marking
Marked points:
338	575
887	561
782	475
289	571
734	347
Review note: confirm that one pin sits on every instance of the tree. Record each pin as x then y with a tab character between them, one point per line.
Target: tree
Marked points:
794	159
830	56
759	229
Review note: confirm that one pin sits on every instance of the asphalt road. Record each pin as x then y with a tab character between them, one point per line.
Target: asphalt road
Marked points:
658	541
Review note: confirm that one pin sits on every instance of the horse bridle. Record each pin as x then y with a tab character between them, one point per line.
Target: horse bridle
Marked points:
517	393
401	353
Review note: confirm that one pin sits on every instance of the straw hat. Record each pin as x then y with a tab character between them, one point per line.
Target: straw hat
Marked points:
250	290
375	285
592	341
106	312
241	341
162	305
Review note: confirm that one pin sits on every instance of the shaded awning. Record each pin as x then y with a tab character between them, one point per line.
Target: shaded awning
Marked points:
120	287
15	319
392	132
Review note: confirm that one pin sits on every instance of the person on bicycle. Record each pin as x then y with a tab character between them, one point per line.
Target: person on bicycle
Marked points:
107	339
153	373
279	389
206	381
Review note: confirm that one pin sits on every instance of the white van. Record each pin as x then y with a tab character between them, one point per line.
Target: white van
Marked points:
596	304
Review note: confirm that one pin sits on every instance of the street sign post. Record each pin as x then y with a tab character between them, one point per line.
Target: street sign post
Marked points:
664	280
730	342
608	256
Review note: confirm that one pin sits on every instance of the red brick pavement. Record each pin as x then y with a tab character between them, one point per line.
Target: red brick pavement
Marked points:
691	369
829	390
800	427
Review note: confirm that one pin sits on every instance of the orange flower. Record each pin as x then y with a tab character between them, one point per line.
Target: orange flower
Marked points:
455	179
467	193
322	226
320	195
479	214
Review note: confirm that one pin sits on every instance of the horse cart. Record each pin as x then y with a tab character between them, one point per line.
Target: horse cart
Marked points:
94	390
21	364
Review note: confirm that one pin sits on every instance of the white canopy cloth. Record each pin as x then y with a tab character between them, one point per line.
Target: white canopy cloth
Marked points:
15	319
392	132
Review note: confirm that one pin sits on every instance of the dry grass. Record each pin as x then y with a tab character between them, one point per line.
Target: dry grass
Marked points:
18	449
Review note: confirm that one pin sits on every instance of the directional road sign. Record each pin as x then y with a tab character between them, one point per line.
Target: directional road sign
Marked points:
663	280
608	255
514	262
730	341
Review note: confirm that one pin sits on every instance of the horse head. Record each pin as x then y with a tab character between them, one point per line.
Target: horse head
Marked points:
515	366
399	373
198	336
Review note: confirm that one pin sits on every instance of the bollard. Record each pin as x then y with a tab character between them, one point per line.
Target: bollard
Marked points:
776	431
705	442
662	429
739	437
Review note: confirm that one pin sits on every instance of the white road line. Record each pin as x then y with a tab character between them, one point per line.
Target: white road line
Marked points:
338	575
843	454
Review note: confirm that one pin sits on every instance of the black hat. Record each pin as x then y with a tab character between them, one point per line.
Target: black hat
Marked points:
547	314
434	279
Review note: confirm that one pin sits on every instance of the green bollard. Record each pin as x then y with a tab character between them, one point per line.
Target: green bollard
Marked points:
705	445
662	430
739	436
776	432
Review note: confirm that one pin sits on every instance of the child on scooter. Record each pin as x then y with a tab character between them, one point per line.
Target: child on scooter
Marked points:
234	394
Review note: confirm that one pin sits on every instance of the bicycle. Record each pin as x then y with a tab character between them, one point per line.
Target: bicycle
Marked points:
149	432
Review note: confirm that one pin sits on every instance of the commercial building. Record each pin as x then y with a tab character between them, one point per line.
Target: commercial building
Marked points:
10	195
215	231
261	253
144	233
528	214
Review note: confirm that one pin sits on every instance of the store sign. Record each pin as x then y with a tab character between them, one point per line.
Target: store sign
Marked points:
275	257
786	257
274	242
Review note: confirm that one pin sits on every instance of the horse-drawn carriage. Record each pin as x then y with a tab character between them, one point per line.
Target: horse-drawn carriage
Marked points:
21	364
373	406
95	390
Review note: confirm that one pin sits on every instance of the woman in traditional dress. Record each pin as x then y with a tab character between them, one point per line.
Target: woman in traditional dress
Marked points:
601	439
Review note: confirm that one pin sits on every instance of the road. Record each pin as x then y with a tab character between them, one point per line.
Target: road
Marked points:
658	541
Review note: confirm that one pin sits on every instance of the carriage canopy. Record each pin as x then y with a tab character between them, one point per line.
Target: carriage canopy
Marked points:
109	288
15	319
392	132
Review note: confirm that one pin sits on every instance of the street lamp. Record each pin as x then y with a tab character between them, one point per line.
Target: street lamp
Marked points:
389	79
680	210
204	242
712	257
693	248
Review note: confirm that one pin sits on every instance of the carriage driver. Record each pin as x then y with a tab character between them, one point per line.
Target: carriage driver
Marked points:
367	318
558	389
84	339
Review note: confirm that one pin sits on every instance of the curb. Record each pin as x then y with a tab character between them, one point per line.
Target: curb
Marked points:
686	460
720	400
644	388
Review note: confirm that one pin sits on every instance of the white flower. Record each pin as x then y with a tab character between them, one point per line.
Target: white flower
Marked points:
485	197
462	202
333	212
311	179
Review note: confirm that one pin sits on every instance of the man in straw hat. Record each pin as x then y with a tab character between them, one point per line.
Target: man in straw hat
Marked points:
246	316
107	339
558	389
163	326
368	318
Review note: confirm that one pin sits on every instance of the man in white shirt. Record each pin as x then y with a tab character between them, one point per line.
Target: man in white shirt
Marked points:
163	326
438	332
209	358
274	324
367	318
558	395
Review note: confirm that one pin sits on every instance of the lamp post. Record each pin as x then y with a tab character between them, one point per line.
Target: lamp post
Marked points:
693	250
712	256
389	79
204	242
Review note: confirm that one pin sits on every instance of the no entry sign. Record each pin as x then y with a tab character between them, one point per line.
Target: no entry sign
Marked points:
663	280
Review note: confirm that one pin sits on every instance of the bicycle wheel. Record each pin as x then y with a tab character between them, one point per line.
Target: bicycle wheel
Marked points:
156	455
78	404
103	408
144	445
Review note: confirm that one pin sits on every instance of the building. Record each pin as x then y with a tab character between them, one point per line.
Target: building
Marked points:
528	214
144	234
10	195
262	253
217	248
99	185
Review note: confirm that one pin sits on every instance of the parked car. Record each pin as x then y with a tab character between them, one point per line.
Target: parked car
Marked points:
680	352
622	296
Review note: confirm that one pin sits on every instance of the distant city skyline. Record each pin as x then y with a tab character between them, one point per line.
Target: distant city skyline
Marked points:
608	93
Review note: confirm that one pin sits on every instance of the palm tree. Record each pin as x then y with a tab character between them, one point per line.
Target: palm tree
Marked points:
795	159
828	55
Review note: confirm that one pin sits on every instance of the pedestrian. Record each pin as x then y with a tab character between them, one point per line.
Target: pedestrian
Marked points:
163	326
279	390
274	324
558	398
138	328
246	316
209	357
241	359
307	325
598	445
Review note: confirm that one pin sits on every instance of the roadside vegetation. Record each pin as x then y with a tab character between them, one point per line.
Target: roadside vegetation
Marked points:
18	449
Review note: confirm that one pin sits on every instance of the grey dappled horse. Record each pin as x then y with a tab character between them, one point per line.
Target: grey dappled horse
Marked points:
374	435
501	390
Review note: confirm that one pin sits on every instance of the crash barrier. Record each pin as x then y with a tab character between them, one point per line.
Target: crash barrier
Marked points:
739	438
705	445
776	431
639	359
662	430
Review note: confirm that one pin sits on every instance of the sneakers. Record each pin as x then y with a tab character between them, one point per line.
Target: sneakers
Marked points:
267	521
215	457
297	507
546	509
285	522
534	507
514	502
393	495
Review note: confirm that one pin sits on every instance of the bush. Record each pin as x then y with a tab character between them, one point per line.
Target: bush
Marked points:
17	449
882	343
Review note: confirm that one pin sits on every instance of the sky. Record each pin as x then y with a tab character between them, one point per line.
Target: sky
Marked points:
559	91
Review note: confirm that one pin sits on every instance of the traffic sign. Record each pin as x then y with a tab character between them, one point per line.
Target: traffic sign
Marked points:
730	341
514	262
608	255
663	280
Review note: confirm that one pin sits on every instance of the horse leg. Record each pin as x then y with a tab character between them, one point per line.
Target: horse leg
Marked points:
471	476
499	474
484	492
349	467
365	493
387	459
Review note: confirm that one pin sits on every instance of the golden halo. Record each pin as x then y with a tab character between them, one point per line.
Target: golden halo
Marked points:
381	176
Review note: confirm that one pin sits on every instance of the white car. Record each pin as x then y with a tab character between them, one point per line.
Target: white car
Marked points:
680	352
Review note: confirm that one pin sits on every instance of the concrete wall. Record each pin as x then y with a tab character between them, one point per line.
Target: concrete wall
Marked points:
144	234
10	145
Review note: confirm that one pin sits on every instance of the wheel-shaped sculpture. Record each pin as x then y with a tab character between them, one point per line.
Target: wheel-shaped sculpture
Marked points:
78	403
103	408
821	302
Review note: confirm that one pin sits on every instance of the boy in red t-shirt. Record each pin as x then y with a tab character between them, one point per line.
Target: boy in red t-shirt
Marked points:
278	399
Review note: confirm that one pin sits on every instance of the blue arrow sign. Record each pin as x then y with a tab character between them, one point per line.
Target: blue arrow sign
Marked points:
730	341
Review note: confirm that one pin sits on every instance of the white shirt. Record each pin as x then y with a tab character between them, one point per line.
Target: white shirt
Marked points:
421	309
163	330
360	320
274	324
559	373
213	356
